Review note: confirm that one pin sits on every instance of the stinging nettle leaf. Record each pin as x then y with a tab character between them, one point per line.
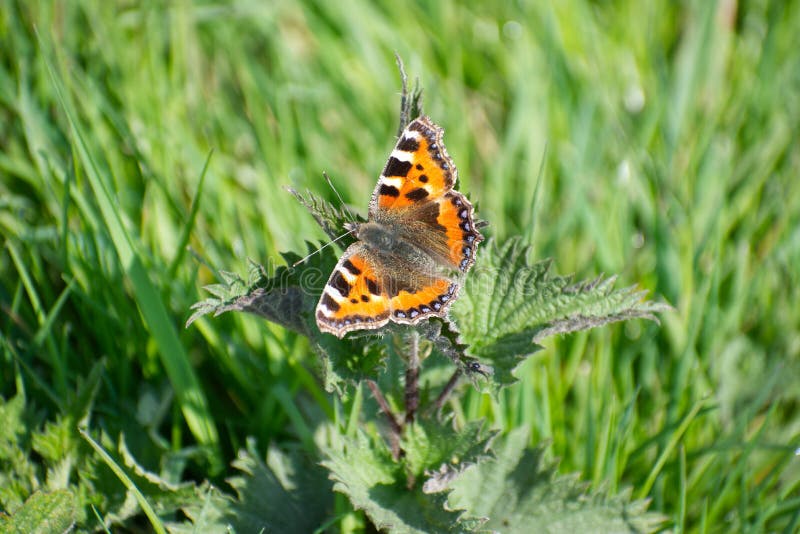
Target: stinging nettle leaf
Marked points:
331	219
508	305
519	491
287	493
289	297
362	468
43	512
208	511
430	445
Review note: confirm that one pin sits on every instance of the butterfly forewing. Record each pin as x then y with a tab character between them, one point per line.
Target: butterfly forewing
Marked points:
418	169
414	201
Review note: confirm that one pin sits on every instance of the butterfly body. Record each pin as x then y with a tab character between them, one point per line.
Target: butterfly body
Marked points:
418	241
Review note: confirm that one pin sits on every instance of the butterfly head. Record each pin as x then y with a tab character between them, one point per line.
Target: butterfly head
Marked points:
352	228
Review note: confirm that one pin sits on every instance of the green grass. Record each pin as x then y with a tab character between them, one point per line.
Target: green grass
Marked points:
670	133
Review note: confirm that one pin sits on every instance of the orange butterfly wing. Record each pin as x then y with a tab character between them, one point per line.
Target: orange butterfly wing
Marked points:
414	197
354	297
433	298
418	169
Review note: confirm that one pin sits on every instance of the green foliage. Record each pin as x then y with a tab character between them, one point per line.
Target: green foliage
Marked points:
18	473
289	298
519	490
42	512
362	468
328	217
69	478
435	445
466	489
288	493
506	305
509	305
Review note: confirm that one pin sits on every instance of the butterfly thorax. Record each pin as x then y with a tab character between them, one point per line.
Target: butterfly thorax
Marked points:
376	236
390	244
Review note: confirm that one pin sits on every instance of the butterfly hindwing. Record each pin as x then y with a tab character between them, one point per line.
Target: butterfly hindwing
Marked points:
431	298
362	293
354	297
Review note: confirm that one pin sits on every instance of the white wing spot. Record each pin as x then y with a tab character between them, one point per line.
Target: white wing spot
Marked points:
402	155
335	295
350	277
394	181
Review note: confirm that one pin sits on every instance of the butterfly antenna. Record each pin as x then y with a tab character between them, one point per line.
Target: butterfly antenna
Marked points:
344	206
329	243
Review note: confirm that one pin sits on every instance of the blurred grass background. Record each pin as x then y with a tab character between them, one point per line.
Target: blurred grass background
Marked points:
669	132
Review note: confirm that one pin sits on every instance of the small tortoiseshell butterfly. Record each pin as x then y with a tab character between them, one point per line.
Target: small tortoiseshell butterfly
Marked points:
418	239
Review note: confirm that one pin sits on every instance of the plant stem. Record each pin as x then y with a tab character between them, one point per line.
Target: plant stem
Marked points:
405	107
395	427
412	378
446	391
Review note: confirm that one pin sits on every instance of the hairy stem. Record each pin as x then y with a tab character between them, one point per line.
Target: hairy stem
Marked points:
412	377
395	428
446	391
405	107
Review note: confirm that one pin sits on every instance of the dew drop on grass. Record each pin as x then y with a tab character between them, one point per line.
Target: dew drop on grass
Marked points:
512	29
637	240
634	99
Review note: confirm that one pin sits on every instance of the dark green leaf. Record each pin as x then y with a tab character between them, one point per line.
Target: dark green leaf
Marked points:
208	511
289	297
18	474
520	491
362	468
431	445
289	493
43	512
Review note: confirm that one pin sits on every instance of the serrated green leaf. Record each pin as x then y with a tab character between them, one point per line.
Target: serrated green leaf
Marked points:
285	297
11	419
362	468
66	462
18	475
164	496
519	491
42	512
428	445
508	304
288	494
446	340
289	298
331	219
208	512
134	493
505	307
348	360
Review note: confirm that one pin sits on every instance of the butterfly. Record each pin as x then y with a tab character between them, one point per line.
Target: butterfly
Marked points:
417	243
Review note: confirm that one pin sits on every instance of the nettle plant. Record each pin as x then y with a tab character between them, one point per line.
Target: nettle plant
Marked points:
408	465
